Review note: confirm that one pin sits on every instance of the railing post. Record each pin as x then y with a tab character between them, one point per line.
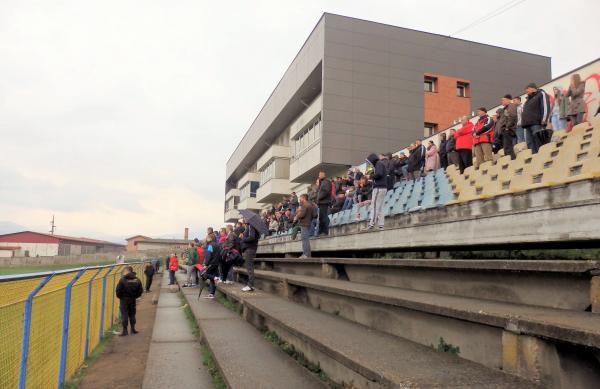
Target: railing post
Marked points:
104	301
65	331
112	310
89	307
26	328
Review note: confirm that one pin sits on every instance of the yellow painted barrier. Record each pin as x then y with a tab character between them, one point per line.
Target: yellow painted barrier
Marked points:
50	322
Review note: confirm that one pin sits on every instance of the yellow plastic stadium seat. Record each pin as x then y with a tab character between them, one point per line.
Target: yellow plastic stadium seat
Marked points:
581	129
520	147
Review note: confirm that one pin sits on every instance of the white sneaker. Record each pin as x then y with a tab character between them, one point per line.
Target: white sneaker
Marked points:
247	289
210	296
303	257
228	282
217	280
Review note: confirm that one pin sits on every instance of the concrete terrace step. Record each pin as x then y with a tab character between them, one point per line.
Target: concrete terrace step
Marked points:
552	284
580	328
361	357
174	359
246	360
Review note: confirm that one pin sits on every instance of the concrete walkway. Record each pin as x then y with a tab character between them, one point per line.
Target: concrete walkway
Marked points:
174	360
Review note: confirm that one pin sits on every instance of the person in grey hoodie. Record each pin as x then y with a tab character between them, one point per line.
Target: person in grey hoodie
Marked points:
379	190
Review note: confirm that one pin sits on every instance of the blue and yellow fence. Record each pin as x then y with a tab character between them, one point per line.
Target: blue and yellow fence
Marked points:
50	322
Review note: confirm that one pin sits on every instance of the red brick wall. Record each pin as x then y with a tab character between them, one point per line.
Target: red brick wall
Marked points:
443	106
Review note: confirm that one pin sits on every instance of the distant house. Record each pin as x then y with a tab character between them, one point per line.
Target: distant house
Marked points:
162	244
33	244
133	240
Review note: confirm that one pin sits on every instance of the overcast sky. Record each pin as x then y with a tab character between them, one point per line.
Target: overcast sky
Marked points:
118	116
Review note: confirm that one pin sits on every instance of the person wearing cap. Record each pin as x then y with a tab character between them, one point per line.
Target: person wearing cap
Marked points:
506	125
483	136
535	116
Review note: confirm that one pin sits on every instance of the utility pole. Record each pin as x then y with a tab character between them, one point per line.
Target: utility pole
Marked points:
52	226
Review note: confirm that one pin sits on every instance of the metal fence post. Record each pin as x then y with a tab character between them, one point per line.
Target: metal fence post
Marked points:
89	307
104	301
65	331
112	309
26	328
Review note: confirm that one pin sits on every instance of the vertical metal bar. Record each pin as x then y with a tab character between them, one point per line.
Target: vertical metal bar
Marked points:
104	301
112	309
65	331
121	274
26	328
89	307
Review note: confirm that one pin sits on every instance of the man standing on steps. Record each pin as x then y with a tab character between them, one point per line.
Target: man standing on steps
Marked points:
324	197
379	190
304	218
249	247
128	290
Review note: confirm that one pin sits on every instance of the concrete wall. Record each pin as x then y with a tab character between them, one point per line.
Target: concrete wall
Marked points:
79	259
35	249
373	82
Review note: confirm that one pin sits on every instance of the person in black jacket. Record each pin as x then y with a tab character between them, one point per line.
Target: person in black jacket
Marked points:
324	198
416	160
442	151
149	272
128	290
534	118
249	246
379	189
212	257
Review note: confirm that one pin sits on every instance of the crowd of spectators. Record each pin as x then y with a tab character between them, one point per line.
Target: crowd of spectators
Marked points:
472	144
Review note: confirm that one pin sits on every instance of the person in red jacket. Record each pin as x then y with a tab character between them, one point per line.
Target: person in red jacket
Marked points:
173	267
483	137
464	144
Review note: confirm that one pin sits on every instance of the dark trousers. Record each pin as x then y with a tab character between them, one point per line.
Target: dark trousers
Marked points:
249	255
465	159
148	282
225	269
507	144
323	219
171	277
443	160
127	308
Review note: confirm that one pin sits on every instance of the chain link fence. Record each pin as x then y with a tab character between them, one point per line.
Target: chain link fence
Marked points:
50	322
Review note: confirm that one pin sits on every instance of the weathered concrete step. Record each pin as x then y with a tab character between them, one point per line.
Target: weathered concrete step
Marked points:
362	357
245	359
579	328
174	359
552	284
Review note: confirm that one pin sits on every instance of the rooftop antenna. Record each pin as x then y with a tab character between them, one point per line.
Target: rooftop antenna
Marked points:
52	226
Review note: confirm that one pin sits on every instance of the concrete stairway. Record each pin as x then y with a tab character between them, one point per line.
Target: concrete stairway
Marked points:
557	347
356	356
174	349
245	359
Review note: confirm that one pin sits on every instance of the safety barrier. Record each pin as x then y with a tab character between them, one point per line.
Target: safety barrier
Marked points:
50	322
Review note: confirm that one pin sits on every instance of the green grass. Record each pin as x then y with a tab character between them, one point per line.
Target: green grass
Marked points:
232	306
290	350
444	347
207	358
42	268
79	374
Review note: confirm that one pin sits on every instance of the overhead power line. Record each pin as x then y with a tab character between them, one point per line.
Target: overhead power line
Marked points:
492	14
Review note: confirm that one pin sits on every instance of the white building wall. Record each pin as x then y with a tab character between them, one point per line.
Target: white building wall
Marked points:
35	249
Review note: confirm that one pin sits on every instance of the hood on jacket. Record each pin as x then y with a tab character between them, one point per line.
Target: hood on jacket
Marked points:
372	159
130	275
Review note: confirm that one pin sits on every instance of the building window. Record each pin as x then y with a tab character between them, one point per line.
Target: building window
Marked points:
430	84
429	129
462	89
249	190
307	137
267	173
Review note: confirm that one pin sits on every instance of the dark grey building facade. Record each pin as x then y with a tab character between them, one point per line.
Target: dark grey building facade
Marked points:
357	87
